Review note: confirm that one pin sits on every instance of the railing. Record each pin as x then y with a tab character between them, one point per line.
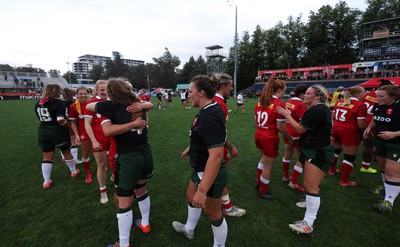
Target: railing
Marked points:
341	76
22	74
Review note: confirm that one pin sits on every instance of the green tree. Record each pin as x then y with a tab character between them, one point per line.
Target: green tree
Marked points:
97	72
381	9
192	68
293	33
138	76
331	35
275	47
69	75
153	72
188	70
167	65
54	72
6	67
317	37
344	29
115	67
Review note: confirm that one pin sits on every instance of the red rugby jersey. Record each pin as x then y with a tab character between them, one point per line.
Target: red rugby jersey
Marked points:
347	116
267	117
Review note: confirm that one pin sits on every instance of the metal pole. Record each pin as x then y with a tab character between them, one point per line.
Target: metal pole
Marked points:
235	73
69	75
148	83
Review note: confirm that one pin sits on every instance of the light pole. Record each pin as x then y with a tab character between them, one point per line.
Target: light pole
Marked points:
69	75
148	83
231	2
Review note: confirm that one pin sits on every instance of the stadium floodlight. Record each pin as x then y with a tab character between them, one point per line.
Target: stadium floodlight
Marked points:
230	3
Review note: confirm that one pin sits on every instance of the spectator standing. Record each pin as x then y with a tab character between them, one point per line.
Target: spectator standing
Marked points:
337	95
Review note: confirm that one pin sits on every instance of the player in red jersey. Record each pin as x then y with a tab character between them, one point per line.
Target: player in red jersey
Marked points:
349	118
297	108
100	143
143	95
76	115
269	123
367	153
224	89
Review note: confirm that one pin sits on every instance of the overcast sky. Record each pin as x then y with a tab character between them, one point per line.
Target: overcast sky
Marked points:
50	33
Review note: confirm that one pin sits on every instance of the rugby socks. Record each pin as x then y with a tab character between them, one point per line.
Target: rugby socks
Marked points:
144	207
285	167
365	164
392	190
220	231
125	218
46	170
297	171
263	185
226	203
86	165
367	155
347	167
335	160
74	152
193	217
103	189
71	165
313	201
260	168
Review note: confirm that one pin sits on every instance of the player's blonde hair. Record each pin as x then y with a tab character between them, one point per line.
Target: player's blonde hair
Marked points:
351	92
322	92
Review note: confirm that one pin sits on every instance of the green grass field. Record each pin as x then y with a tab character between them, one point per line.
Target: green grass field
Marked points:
70	214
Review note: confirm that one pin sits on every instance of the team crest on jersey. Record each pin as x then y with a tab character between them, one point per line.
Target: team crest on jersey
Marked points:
389	111
81	116
372	99
345	106
98	115
290	106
